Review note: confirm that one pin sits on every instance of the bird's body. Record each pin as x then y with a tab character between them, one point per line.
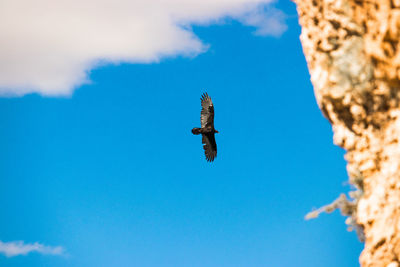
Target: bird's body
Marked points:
207	129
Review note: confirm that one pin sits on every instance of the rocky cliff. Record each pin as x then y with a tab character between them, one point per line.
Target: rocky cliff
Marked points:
353	53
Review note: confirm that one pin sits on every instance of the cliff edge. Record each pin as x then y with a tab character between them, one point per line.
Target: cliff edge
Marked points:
353	54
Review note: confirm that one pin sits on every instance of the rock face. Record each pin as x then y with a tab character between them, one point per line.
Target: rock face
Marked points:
353	53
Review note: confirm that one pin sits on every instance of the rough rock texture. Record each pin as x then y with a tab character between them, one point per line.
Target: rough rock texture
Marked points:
353	53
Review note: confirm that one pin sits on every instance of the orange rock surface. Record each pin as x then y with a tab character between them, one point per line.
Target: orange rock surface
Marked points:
353	53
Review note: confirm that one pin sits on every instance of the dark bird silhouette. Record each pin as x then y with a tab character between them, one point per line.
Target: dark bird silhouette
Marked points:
207	129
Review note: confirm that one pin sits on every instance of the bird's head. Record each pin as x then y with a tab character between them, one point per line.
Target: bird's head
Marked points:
216	131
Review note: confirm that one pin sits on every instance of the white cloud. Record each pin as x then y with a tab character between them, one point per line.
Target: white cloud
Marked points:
268	21
50	46
16	248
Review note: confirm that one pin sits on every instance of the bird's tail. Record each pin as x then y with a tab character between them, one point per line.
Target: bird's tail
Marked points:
196	131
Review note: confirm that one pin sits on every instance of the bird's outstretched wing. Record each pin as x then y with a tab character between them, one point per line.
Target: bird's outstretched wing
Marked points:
210	146
207	112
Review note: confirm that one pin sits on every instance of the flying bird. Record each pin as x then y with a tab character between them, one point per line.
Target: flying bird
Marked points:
207	129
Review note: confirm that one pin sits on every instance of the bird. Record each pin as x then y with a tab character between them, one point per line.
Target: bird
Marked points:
207	129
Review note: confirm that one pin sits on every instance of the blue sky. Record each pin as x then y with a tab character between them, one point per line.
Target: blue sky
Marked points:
113	175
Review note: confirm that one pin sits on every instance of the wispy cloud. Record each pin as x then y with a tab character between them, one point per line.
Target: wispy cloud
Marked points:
49	47
266	20
16	248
